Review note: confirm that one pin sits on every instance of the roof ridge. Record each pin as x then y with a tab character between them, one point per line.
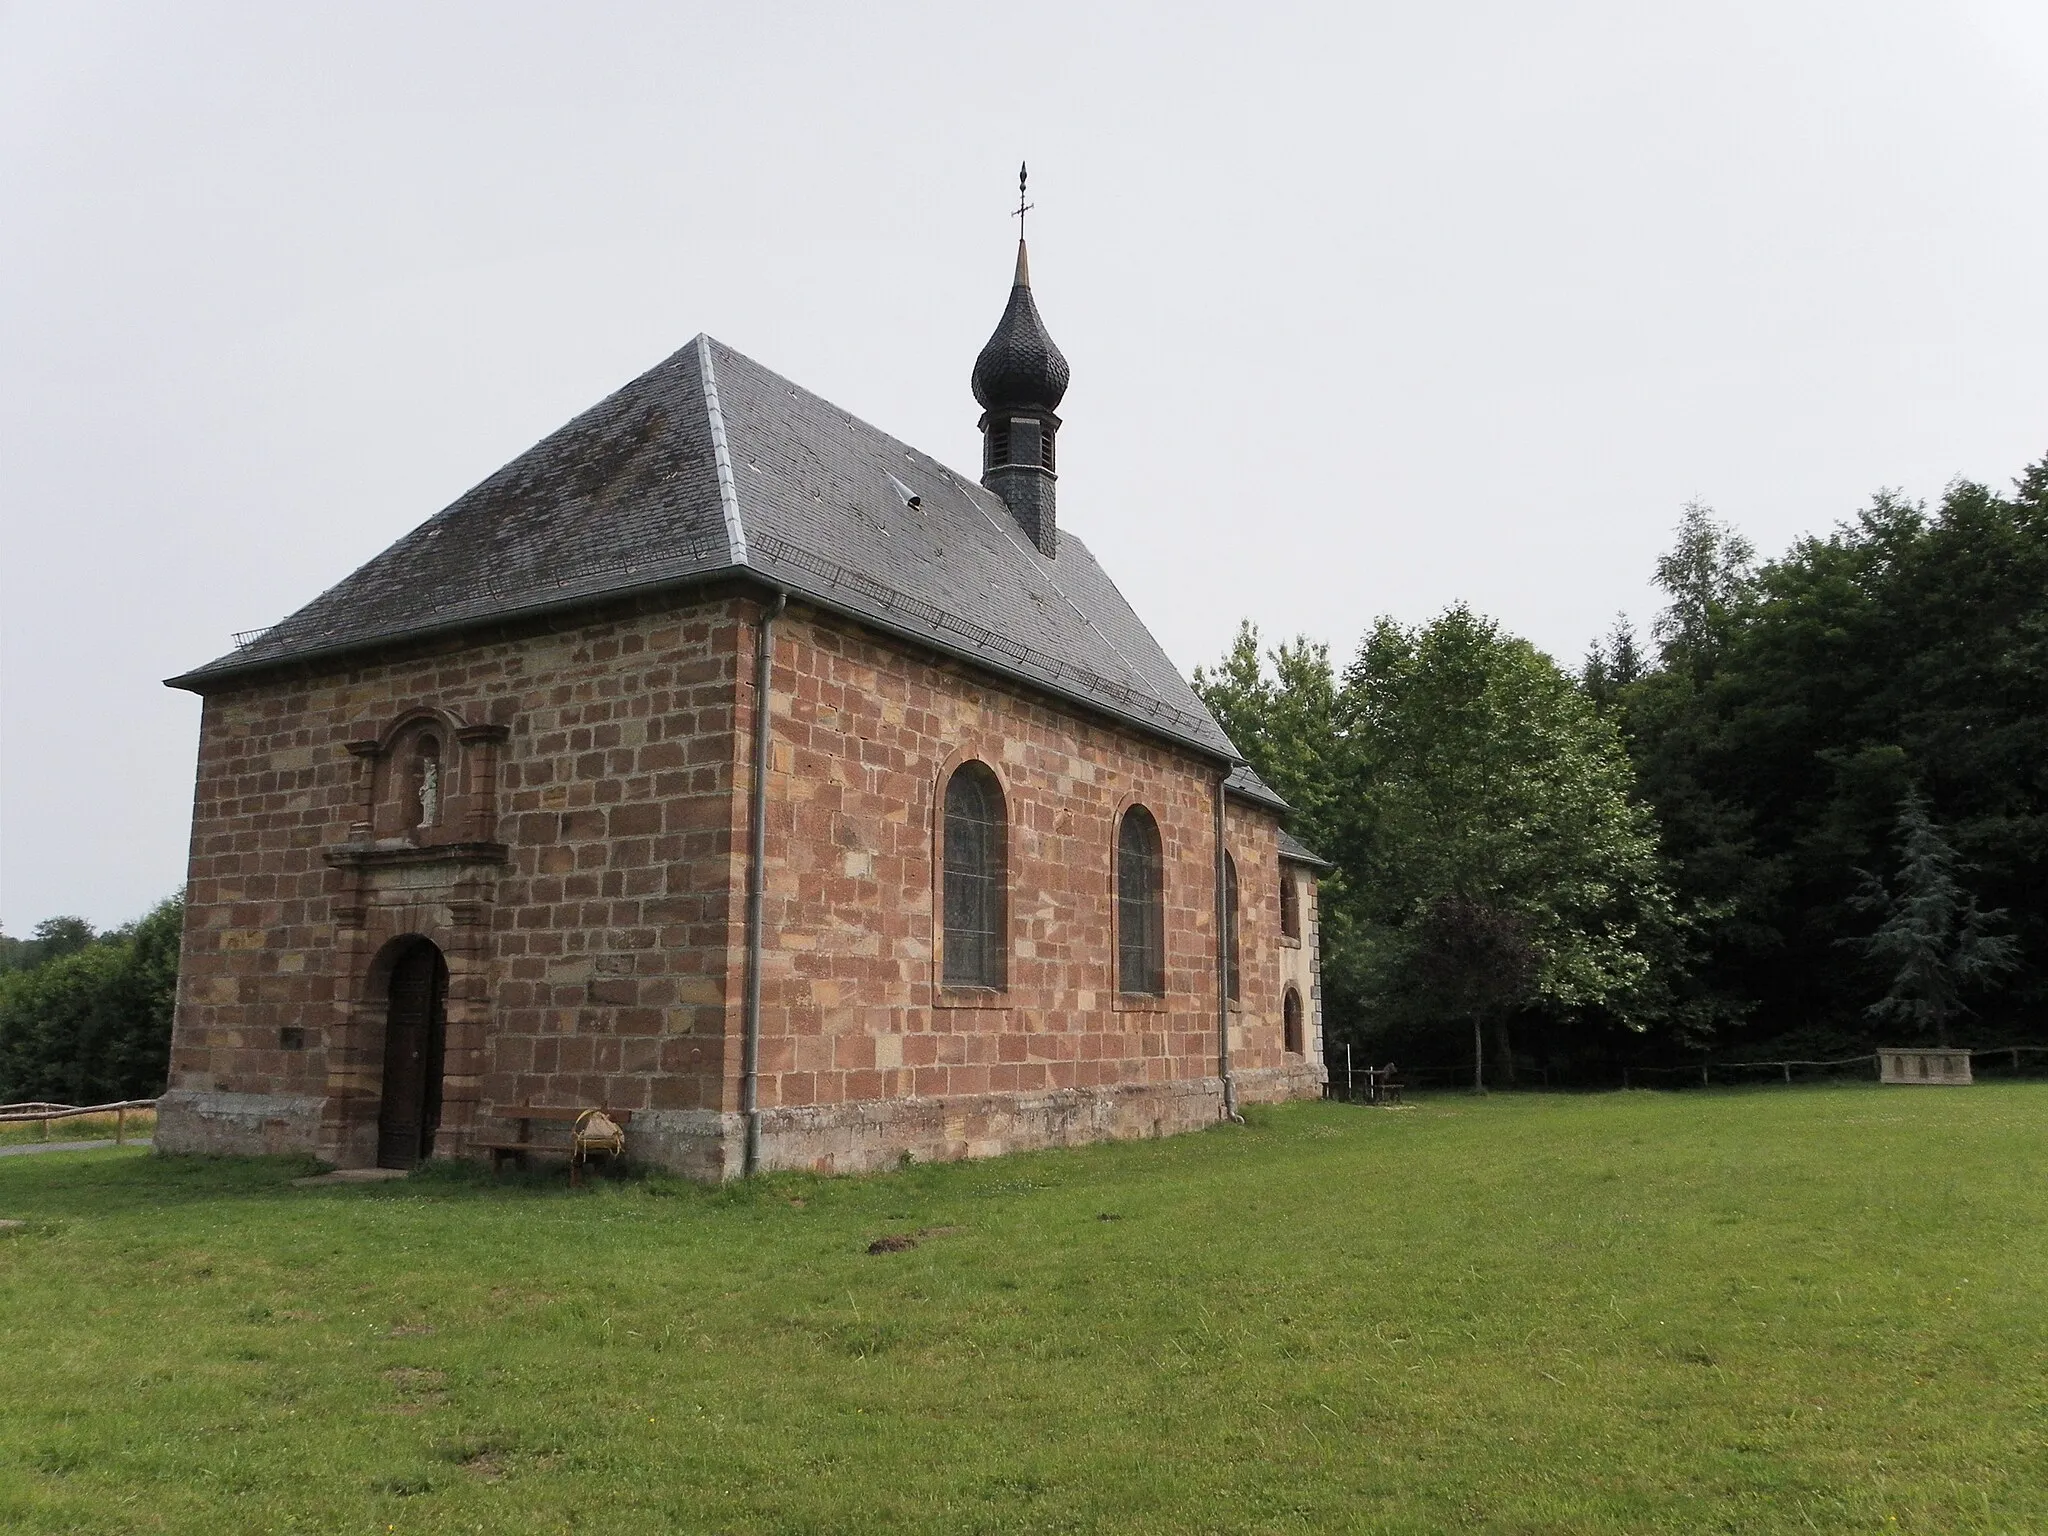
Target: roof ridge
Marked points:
728	493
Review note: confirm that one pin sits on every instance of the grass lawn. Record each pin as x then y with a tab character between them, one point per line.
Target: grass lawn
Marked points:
1781	1310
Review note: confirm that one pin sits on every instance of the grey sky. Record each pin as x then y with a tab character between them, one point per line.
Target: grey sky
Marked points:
1371	307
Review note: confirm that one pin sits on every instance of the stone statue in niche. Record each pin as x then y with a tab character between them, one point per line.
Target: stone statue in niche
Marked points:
427	782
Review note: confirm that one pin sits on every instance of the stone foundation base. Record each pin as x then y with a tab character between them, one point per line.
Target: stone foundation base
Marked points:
867	1137
709	1146
861	1138
700	1144
236	1124
1276	1085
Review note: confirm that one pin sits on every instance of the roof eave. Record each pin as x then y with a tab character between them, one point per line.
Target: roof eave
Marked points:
227	670
1271	802
212	676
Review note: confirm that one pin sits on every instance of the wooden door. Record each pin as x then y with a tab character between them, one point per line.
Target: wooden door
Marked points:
412	1058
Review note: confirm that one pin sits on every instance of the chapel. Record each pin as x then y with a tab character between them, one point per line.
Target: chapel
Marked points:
725	760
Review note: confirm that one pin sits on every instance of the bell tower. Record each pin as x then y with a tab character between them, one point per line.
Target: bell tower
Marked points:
1019	379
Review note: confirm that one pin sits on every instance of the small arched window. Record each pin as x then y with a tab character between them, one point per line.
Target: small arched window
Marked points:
976	904
1290	904
1290	1015
1230	926
1140	905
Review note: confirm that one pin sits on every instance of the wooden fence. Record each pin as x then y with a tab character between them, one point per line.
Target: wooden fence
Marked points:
1352	1082
40	1115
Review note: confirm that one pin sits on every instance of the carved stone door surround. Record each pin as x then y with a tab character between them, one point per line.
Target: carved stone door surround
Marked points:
406	874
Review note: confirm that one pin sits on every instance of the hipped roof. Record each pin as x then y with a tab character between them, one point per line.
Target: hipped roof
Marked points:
710	465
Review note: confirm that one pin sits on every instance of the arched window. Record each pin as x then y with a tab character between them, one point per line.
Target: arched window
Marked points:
976	903
1230	923
1290	1016
1140	905
1290	905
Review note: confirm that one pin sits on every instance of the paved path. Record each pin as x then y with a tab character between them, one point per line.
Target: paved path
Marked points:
67	1146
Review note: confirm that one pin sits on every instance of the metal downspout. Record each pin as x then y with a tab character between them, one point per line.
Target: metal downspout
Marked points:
757	884
1223	967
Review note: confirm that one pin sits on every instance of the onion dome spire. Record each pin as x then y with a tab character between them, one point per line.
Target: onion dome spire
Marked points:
1020	366
1020	378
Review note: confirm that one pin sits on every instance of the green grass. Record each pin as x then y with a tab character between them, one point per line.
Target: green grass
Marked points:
1786	1310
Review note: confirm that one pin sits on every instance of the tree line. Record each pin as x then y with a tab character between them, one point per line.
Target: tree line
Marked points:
1807	817
85	1017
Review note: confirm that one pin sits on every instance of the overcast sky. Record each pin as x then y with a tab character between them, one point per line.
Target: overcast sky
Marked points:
1371	307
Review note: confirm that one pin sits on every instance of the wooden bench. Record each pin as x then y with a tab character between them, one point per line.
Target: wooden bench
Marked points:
526	1116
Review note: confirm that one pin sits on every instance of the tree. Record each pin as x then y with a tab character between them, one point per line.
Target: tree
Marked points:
55	937
93	1023
1473	961
1493	814
1279	709
1934	940
1795	704
1709	574
1612	665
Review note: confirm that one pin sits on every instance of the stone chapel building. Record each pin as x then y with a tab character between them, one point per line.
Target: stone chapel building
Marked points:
724	759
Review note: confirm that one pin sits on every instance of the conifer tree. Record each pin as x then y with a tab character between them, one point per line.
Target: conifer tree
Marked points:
1934	939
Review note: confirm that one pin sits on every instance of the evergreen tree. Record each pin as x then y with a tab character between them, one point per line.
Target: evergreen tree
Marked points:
1612	664
1934	941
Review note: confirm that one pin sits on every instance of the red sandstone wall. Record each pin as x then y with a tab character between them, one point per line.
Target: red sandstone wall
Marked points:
1257	1034
599	970
605	964
852	1009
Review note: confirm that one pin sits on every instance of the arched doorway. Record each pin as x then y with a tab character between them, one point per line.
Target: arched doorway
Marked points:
413	1035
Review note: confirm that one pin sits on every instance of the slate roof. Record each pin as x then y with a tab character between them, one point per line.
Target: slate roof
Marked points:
1020	367
1295	851
1245	783
708	464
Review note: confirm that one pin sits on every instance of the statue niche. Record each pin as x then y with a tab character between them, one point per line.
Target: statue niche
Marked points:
417	794
425	781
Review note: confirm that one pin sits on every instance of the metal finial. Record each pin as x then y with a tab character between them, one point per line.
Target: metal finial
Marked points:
1023	174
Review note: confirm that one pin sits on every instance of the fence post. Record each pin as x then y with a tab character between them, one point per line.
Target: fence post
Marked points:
1350	1088
1788	1071
121	1126
1703	1075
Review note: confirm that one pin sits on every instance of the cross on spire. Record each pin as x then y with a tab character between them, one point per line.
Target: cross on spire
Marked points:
1023	173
